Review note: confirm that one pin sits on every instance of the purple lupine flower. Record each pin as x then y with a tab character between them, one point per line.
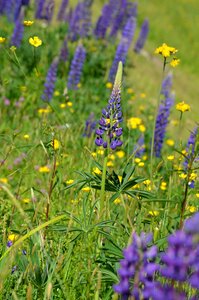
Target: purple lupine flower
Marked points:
166	292
40	9
139	148
138	265
25	2
163	116
2	6
17	33
142	36
62	9
123	47
18	5
120	18
63	55
49	10
9	6
76	67
81	21
190	148
131	10
109	131
107	15
192	225
50	82
178	256
9	244
90	125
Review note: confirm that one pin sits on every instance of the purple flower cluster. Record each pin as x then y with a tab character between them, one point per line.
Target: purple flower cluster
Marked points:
140	274
17	35
39	9
76	67
190	148
50	82
109	131
63	55
119	19
138	263
62	9
49	10
107	15
142	36
80	22
123	47
163	115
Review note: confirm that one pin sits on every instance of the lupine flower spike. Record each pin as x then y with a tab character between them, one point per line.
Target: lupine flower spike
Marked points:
142	36
109	131
76	68
50	82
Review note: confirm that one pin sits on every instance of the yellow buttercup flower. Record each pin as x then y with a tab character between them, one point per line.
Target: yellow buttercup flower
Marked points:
163	186
86	189
110	164
170	157
26	136
181	106
2	40
192	209
62	105
55	144
137	160
165	50
197	195
109	85
70	181
120	153
44	169
3	180
130	91
35	41
170	142
26	200
12	237
153	213
97	171
117	201
175	62
142	128
141	164
134	122
28	23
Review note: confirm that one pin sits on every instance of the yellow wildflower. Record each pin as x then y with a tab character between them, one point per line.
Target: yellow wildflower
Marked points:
28	23
56	93
142	128
141	164
70	104
192	208
163	186
97	170
12	237
147	182
120	178
145	157
130	91
94	154
117	201
3	180
44	110
183	175
193	176
2	40
109	85
165	50
26	200
134	122
26	136
110	164
44	169
154	213
170	157
137	160
197	195
175	62
55	144
86	189
70	181
142	95
170	142
100	152
79	85
35	41
120	153
181	106
111	156
62	105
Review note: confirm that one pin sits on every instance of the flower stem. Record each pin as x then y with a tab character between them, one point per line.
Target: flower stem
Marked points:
102	193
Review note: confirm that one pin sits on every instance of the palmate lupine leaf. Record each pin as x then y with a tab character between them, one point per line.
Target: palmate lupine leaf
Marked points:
113	184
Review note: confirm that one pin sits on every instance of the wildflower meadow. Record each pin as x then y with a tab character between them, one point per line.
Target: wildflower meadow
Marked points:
99	159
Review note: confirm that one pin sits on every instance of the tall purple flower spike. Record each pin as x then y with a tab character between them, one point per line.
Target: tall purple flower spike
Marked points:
109	132
50	82
142	36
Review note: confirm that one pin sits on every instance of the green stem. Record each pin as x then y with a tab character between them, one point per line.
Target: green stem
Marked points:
102	193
